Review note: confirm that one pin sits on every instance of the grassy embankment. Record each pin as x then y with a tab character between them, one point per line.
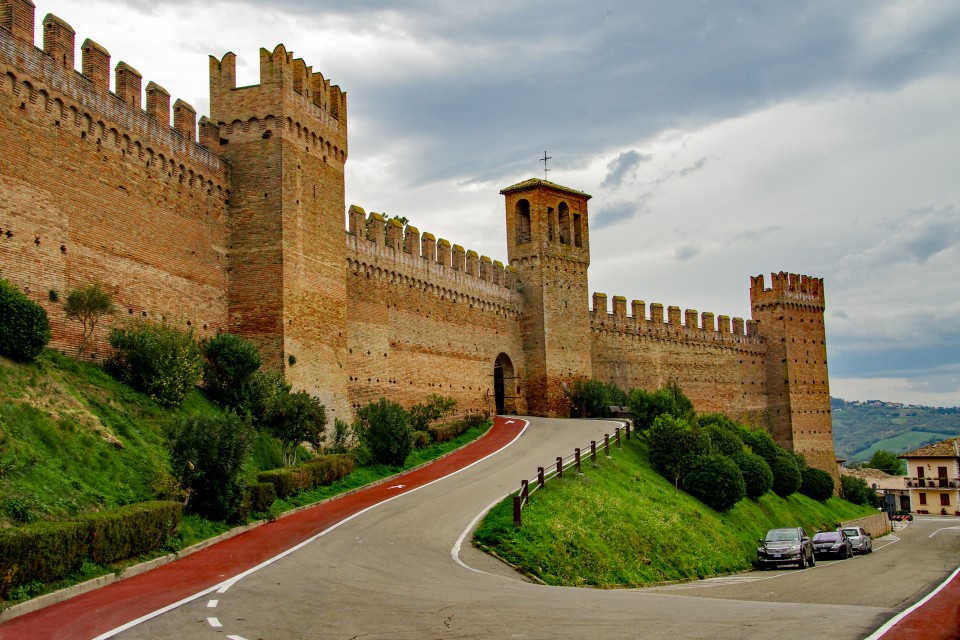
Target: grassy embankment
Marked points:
623	525
74	440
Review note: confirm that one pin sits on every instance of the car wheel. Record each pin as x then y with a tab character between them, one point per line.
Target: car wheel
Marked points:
813	560
803	562
870	549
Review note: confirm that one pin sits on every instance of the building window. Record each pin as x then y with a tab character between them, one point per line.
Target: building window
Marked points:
523	222
923	498
564	223
944	499
942	476
551	224
577	231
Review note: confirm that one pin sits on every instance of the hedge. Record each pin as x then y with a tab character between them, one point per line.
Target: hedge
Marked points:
450	430
48	551
24	326
307	475
262	495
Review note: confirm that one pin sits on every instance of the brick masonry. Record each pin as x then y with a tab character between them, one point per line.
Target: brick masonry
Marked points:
237	223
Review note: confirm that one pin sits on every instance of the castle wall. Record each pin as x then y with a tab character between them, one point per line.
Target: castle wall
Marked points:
419	322
95	189
720	365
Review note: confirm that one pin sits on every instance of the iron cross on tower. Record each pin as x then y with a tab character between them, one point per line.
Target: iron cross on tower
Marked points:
544	161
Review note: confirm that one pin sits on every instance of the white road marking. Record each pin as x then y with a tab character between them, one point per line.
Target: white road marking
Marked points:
397	486
942	529
894	620
213	622
236	638
212	604
223	586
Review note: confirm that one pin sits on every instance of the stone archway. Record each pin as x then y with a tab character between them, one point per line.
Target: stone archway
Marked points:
504	385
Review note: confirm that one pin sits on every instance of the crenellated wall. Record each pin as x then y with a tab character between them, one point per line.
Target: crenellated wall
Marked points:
719	363
95	189
424	317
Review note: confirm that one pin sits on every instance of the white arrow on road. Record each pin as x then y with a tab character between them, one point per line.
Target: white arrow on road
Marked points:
397	486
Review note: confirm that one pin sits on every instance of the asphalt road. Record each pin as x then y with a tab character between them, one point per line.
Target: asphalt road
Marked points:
392	572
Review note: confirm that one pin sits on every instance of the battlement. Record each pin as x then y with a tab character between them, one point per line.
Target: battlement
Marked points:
376	233
49	87
291	100
787	288
688	325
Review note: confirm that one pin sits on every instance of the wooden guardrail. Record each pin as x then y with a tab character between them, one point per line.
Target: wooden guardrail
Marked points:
574	460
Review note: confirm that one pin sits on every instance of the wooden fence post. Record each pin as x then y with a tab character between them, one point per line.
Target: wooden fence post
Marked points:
606	444
617	437
593	452
628	430
540	480
516	510
576	453
559	467
524	491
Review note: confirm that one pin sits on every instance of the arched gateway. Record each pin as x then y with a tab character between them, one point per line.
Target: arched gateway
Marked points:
504	385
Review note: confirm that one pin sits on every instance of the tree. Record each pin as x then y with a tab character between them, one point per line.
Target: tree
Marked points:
757	476
886	461
157	358
88	304
855	490
434	407
761	443
24	326
673	445
207	455
724	433
668	399
230	363
716	481
385	428
786	473
816	484
295	418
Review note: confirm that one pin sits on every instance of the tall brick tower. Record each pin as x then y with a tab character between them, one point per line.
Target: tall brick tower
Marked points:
548	243
790	321
286	141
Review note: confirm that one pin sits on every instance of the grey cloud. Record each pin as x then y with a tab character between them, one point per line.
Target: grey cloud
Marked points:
755	235
686	252
617	211
622	165
914	238
840	313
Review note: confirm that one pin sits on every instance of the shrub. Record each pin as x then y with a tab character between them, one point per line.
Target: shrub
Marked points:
157	358
450	430
857	491
786	474
593	398
295	418
673	444
88	304
434	407
24	326
342	437
264	388
228	368
816	484
761	443
207	455
669	399
285	481
757	476
385	429
262	495
132	530
724	433
421	439
326	470
716	481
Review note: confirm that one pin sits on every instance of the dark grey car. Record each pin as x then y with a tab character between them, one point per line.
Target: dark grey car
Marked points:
860	539
832	543
785	546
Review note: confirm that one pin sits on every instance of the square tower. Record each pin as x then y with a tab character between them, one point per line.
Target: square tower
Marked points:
548	244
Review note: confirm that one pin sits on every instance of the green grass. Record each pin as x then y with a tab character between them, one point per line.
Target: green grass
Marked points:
622	524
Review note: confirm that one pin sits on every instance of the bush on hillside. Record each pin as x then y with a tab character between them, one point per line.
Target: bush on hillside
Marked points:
385	429
88	304
24	326
433	408
757	476
716	481
669	399
724	433
157	358
816	484
786	474
295	418
229	364
760	443
857	491
593	398
207	455
673	444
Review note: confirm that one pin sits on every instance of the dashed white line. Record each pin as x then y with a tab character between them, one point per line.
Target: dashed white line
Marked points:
212	604
214	622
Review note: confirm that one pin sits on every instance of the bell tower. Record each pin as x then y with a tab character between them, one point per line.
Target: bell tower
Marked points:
548	244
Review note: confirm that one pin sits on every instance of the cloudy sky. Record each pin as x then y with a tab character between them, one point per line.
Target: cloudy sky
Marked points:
719	139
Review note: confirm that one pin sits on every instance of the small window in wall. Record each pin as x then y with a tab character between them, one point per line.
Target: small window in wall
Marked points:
551	224
923	498
577	231
564	223
920	471
523	221
944	499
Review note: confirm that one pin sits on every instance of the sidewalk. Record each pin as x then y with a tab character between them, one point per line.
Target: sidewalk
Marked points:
97	612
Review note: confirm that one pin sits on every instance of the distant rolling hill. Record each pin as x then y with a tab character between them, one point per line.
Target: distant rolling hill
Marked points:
859	428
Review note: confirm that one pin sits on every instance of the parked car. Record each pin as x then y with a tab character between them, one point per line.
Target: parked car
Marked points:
832	543
785	546
860	539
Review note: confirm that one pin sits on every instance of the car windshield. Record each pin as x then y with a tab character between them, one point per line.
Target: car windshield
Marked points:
830	536
782	535
851	532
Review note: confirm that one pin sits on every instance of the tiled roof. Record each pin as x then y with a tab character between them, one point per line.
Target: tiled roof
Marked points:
944	449
881	479
533	183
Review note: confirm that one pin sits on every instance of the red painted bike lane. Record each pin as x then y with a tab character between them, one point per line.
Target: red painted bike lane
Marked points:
97	612
936	619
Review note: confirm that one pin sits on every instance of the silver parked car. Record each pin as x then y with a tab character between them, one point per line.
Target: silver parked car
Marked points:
860	539
785	546
832	543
